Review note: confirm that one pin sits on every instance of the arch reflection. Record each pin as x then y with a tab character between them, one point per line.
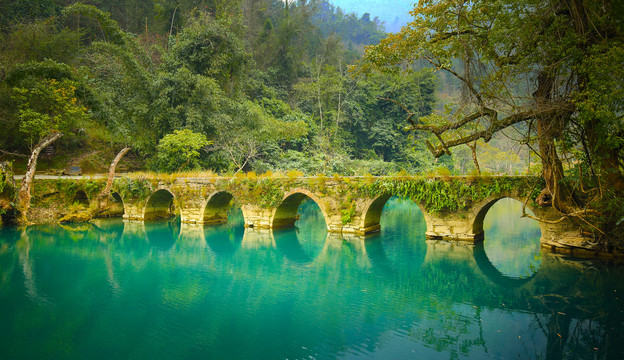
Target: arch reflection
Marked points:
303	243
377	256
400	246
226	239
491	272
511	243
162	234
109	230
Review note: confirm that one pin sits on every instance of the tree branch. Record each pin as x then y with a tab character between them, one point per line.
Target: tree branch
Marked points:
111	172
13	154
486	134
461	78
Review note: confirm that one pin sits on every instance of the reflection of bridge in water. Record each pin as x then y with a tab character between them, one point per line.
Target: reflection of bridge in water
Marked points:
480	276
450	274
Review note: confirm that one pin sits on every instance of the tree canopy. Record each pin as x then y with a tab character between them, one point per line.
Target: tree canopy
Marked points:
530	65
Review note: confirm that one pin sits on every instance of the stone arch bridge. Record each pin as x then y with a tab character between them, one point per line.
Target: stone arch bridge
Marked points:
454	208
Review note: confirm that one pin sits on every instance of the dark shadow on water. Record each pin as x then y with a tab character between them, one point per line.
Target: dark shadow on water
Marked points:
9	235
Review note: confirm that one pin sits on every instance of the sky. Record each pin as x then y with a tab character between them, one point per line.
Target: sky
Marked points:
395	13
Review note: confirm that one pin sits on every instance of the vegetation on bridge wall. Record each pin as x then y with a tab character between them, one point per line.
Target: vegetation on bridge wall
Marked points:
449	195
8	195
53	199
435	194
135	187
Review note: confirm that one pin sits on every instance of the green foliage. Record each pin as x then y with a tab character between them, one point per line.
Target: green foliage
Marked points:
26	10
8	189
133	187
49	105
180	149
29	72
267	192
111	31
272	95
438	195
46	45
347	215
208	47
93	187
349	27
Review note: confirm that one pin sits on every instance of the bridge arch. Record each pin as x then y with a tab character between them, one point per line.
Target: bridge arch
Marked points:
510	256
216	206
161	204
286	213
373	209
80	197
116	205
484	207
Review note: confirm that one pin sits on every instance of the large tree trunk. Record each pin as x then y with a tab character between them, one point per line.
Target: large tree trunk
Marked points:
103	200
111	172
548	129
24	193
552	168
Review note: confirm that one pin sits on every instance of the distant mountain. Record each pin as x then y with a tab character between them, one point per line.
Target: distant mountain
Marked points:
394	13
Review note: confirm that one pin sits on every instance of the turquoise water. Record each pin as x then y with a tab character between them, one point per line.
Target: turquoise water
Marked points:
115	290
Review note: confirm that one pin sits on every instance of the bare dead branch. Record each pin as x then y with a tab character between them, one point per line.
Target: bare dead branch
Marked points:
13	154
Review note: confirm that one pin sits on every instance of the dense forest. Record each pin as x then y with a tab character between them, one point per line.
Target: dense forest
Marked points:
218	85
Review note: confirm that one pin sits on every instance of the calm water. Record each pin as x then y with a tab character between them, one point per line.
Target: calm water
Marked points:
116	290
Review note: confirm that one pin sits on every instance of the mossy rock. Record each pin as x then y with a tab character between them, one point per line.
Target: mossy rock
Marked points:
79	217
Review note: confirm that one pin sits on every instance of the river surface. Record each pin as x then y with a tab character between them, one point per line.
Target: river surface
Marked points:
115	290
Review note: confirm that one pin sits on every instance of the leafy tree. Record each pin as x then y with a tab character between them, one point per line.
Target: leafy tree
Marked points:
243	137
548	47
49	105
208	47
12	11
180	149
